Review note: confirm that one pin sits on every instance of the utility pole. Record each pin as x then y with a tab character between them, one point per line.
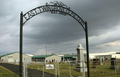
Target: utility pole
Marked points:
46	48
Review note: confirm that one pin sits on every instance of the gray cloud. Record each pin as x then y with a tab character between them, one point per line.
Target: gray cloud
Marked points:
62	33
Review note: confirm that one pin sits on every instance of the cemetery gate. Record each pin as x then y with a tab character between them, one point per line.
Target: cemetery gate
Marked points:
55	8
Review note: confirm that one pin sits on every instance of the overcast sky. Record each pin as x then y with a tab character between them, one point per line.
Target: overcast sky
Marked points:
57	33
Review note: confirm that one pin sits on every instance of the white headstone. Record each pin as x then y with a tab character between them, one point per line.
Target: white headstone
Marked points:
81	66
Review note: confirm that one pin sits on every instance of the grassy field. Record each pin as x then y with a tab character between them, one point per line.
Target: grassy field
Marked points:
6	73
94	72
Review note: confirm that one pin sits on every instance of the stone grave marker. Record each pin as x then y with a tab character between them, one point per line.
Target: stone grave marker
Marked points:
100	61
114	64
95	62
81	66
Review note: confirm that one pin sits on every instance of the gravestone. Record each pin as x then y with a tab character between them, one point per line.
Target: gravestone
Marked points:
72	63
114	64
81	66
100	61
95	62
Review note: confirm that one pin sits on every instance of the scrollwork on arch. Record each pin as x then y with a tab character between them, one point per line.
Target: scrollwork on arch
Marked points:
56	3
55	8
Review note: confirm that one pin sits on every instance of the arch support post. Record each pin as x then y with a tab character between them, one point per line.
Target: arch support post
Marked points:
87	48
21	41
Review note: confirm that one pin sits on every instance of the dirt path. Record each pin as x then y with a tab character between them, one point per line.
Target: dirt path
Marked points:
31	72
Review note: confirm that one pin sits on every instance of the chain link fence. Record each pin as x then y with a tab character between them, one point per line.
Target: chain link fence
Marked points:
66	69
106	68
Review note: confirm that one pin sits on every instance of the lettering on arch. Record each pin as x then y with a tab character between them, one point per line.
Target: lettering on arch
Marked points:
54	8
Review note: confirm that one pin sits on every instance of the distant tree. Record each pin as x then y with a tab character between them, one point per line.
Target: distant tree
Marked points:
53	54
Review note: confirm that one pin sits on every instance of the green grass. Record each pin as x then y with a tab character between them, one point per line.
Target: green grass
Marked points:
64	69
94	72
6	73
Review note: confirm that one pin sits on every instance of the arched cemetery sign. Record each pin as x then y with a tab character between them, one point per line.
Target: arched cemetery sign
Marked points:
54	8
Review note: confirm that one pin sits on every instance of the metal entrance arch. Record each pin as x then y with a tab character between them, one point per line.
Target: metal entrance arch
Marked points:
54	8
